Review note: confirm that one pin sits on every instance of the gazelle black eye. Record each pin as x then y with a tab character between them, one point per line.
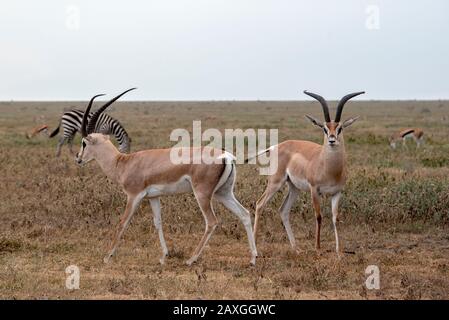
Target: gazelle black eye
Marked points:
325	130
84	144
339	130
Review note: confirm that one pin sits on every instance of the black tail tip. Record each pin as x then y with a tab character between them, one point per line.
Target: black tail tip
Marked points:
54	133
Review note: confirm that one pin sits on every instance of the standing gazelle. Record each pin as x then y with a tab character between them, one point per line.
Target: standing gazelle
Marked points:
307	166
152	173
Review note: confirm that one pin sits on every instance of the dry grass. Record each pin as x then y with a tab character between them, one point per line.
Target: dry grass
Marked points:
395	211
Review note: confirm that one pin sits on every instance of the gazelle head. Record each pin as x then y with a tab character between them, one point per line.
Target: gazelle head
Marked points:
89	147
332	129
392	141
91	140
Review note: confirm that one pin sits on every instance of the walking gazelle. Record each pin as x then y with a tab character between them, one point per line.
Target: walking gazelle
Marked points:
152	173
307	166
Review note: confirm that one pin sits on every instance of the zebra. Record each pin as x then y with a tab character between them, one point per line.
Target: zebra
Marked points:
71	124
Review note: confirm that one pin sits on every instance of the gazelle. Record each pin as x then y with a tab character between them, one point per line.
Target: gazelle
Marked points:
307	166
42	128
413	133
152	173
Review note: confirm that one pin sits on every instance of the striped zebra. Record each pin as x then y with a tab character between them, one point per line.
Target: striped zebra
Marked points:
71	124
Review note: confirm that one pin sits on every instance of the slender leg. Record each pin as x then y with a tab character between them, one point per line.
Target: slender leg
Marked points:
205	204
418	142
156	207
59	146
316	206
285	213
272	188
404	143
335	201
131	205
230	202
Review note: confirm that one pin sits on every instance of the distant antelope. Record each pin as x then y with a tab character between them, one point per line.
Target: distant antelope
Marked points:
307	166
409	133
71	124
152	173
39	129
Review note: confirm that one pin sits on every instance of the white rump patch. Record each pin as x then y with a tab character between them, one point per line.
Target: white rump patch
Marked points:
229	157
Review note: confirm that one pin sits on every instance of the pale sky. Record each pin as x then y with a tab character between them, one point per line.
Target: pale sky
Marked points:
224	50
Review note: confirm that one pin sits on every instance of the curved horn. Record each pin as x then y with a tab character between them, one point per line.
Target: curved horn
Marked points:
342	103
93	120
86	114
323	104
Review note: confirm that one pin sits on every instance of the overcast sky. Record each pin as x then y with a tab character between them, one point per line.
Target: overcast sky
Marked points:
220	50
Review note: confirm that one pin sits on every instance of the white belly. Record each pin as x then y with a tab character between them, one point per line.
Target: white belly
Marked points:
304	185
329	189
181	186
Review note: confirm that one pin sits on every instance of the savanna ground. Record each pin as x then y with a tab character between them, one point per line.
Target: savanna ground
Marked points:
395	211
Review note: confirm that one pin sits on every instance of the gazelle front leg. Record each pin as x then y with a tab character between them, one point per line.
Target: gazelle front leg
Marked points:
131	205
316	206
335	201
404	143
156	207
418	142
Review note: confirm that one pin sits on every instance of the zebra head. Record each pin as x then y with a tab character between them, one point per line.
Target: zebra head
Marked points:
86	152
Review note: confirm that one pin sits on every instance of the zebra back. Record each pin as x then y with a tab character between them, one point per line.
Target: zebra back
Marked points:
71	123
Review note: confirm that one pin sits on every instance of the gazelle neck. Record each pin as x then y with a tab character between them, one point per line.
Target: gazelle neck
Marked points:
106	155
333	157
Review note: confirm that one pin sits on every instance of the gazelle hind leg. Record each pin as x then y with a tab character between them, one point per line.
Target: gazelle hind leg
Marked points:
274	185
230	202
204	201
131	206
335	201
156	208
285	213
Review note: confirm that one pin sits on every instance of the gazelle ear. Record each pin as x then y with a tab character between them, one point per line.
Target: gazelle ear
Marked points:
349	121
315	121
